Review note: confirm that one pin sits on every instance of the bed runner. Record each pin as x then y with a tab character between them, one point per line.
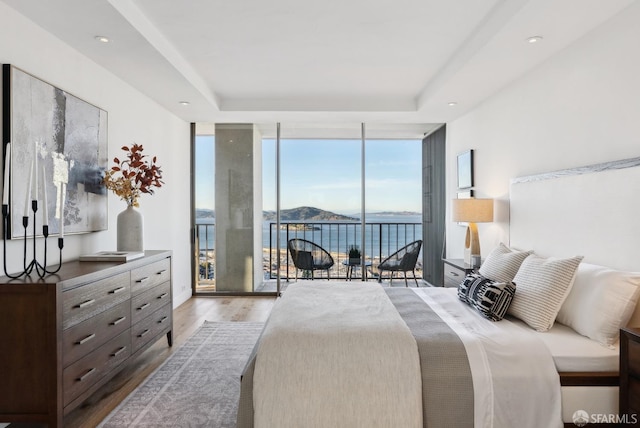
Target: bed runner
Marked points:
447	386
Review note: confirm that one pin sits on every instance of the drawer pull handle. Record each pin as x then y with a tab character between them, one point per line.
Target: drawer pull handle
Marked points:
84	376
142	279
86	339
161	272
454	274
163	319
143	333
163	295
117	290
87	303
146	305
118	321
118	352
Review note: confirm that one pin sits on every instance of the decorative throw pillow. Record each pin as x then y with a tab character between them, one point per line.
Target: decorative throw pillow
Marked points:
600	302
490	298
503	263
542	286
463	288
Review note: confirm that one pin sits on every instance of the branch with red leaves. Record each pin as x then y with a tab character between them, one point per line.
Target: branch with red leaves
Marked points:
133	176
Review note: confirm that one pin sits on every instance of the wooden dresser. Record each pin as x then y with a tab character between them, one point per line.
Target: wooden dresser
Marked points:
630	371
69	333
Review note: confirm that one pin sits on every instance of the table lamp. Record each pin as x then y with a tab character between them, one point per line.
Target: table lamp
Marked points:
472	211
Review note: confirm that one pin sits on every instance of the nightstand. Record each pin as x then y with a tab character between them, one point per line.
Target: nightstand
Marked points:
629	370
454	271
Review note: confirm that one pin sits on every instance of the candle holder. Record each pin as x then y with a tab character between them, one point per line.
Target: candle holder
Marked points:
33	265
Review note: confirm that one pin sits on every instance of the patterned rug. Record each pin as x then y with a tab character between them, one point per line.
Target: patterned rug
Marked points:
197	386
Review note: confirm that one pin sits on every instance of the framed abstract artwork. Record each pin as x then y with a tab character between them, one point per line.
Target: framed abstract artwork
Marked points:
58	155
465	170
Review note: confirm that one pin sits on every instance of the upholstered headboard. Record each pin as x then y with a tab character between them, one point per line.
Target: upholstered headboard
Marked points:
591	211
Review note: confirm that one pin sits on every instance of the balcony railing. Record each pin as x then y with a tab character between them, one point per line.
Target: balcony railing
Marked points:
205	242
381	240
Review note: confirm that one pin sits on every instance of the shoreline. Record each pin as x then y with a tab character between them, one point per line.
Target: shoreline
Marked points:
288	269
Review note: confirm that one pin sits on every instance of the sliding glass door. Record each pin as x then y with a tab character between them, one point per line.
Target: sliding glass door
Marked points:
393	188
320	190
323	199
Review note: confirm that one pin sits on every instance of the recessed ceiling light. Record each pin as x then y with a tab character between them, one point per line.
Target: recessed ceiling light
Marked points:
103	39
184	103
534	39
453	104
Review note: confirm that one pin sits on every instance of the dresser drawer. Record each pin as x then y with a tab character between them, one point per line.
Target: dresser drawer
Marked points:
84	373
150	327
146	303
453	276
146	277
83	338
89	300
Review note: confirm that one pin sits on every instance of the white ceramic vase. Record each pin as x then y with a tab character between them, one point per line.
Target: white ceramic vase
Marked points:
130	230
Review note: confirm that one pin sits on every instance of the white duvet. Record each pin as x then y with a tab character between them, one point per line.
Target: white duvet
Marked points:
339	355
515	382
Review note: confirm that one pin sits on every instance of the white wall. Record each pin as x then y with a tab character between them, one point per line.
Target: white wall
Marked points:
132	118
580	107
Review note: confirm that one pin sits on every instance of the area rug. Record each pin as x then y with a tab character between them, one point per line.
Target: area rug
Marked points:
197	386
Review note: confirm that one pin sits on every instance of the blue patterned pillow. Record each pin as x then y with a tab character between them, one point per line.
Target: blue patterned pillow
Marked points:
490	298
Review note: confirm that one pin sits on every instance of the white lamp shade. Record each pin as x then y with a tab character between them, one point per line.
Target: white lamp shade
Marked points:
472	210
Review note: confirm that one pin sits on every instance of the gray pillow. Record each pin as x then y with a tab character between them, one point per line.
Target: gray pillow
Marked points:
542	285
503	263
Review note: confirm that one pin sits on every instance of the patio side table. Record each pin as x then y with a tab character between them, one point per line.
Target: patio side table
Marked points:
351	265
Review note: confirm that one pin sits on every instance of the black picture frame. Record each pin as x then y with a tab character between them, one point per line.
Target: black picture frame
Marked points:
465	170
68	136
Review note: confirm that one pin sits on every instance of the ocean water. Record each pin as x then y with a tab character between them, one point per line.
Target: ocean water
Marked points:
383	234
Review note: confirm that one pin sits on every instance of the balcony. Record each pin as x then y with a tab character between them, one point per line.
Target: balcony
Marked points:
381	240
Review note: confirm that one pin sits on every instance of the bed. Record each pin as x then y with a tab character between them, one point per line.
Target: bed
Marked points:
345	354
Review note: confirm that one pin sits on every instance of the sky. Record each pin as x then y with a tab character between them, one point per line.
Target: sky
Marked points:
326	174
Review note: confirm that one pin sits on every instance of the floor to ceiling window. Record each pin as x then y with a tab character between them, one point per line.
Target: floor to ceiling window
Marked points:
393	189
321	201
204	201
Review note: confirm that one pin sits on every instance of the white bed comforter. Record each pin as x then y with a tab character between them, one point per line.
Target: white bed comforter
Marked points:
339	355
515	382
336	355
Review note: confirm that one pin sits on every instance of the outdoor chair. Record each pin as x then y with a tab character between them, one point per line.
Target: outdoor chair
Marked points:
403	260
308	256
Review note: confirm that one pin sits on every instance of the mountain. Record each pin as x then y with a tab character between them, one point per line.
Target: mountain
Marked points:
309	214
205	213
306	214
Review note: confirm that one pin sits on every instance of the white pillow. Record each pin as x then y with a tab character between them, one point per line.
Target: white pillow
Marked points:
600	302
503	263
542	286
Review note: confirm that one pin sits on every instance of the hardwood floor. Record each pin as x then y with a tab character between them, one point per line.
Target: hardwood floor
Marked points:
186	320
